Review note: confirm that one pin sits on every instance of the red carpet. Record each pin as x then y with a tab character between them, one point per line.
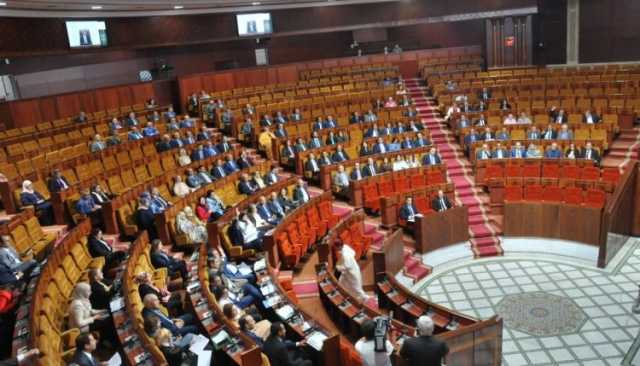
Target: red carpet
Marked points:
625	148
484	240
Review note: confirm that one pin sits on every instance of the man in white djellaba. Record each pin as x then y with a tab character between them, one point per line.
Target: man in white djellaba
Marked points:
350	273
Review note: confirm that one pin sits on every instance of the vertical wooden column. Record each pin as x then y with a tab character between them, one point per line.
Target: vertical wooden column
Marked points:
509	41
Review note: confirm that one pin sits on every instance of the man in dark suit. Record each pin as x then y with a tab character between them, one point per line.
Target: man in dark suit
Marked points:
483	152
145	218
318	124
280	118
230	166
408	211
370	169
280	131
590	118
420	141
160	259
85	345
300	145
340	155
218	171
243	161
356	173
441	202
424	349
224	145
288	151
485	94
271	177
179	326
266	121
380	147
245	186
432	158
280	351
470	139
372	131
356	118
247	325
315	141
407	143
549	133
57	183
164	144
98	247
589	153
311	166
300	193
265	212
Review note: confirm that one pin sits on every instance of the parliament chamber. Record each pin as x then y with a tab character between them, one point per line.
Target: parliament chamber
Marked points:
326	183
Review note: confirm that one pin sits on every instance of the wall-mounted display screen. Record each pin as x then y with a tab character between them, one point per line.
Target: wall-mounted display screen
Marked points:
89	33
254	24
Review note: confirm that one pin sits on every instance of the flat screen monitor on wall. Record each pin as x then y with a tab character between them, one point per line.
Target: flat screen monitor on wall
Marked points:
254	24
87	33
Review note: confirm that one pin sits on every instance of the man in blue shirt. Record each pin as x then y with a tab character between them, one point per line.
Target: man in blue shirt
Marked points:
134	134
158	203
553	152
198	154
149	130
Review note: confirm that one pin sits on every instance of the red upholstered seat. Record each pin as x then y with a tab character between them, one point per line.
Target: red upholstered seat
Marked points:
418	181
568	175
590	173
494	173
573	195
319	225
326	213
371	197
513	171
401	184
305	230
385	188
422	204
550	174
513	193
595	198
288	252
552	194
436	177
610	175
533	192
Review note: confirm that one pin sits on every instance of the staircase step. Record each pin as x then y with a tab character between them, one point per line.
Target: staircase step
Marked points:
488	251
479	231
418	272
483	242
476	220
412	261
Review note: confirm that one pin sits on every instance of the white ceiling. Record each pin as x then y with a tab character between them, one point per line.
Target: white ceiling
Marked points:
126	8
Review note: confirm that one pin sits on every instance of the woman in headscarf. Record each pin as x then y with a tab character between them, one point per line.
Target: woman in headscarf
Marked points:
180	188
351	276
84	317
30	197
183	158
188	223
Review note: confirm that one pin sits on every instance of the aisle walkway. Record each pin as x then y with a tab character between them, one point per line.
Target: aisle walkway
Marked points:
482	230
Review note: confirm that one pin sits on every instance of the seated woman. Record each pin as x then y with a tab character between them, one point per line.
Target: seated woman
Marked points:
84	317
30	197
174	354
180	188
183	158
173	301
187	223
399	163
101	291
234	314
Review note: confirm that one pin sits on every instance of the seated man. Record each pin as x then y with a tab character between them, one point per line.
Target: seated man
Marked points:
370	116
209	150
246	186
356	173
487	135
510	120
330	123
180	326
409	212
198	153
571	152
266	121
432	158
560	117
315	141
296	116
339	155
372	132
370	169
82	117
463	122
380	147
500	152
149	130
483	153
533	133
565	133
318	124
341	181
11	265
134	134
590	118
280	118
300	194
332	139
188	138
86	206
517	151
312	167
441	202
249	233
282	352
57	182
590	153
420	141
132	121
176	141
553	152
218	171
406	143
230	166
300	145
243	161
503	135
356	118
193	180
470	139
481	122
524	119
280	131
164	144
275	206
224	146
533	151
160	259
288	152
549	133
325	159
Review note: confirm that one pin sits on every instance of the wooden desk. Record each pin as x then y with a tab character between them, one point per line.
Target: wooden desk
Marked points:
553	220
437	230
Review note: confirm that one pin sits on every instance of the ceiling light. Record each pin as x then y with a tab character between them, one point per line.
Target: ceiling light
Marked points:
255	3
3	4
178	7
96	7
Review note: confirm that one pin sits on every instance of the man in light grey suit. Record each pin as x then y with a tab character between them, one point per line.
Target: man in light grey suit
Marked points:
341	182
10	260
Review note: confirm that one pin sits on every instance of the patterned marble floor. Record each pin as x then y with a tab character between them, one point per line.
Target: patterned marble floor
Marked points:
601	330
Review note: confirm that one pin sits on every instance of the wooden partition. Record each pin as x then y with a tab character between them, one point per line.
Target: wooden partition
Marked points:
391	256
619	214
437	230
290	73
28	112
477	344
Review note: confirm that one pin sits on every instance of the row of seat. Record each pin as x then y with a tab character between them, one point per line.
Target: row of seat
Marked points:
428	182
68	124
549	174
595	198
28	237
67	265
302	228
342	70
591	71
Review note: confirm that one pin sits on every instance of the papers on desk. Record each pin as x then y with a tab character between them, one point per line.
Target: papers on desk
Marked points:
267	289
271	301
316	340
204	358
116	304
198	343
305	327
245	269
260	265
115	360
220	338
285	312
232	268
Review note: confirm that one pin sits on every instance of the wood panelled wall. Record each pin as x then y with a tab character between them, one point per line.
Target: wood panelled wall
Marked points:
609	31
216	81
509	41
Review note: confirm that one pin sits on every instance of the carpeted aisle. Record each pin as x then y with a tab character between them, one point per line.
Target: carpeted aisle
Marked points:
484	234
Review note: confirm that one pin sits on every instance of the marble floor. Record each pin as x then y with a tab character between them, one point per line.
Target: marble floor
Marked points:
558	307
